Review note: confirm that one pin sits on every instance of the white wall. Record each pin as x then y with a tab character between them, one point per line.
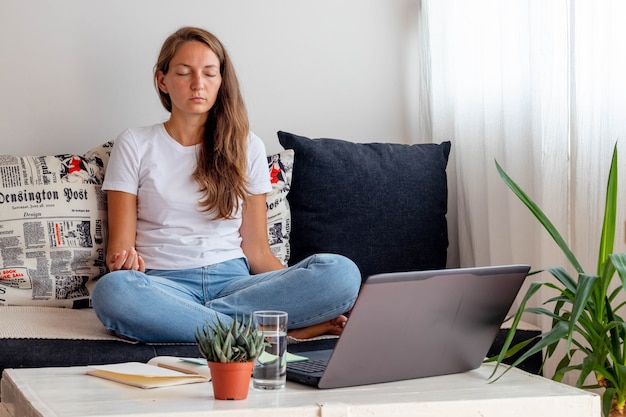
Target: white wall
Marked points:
74	73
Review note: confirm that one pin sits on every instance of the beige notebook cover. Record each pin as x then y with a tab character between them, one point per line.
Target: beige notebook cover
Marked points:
159	372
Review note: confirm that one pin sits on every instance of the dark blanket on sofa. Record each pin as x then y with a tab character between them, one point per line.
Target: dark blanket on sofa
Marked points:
50	336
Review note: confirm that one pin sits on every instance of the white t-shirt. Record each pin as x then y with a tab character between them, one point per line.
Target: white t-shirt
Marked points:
172	230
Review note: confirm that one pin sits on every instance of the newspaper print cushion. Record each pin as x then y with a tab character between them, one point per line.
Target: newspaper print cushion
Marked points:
53	224
52	227
278	213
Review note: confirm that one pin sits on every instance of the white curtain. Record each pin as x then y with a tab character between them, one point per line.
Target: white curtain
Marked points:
539	86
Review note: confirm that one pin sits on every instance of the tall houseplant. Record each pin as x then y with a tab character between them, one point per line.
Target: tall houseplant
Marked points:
584	309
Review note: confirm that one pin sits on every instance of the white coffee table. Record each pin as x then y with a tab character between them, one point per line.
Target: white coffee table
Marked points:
68	392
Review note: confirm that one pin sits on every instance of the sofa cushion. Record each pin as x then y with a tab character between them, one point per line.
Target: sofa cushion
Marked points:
383	205
278	213
53	224
52	227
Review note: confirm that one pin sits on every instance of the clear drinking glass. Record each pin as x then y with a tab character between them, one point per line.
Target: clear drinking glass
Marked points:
270	368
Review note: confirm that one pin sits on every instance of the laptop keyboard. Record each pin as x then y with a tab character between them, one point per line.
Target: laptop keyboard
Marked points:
309	367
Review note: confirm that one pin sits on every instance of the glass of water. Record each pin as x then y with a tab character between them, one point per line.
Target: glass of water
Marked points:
270	368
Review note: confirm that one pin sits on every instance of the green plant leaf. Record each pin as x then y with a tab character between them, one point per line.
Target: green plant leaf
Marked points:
564	278
607	401
589	363
512	350
586	284
532	289
541	217
619	261
552	337
564	366
616	332
610	209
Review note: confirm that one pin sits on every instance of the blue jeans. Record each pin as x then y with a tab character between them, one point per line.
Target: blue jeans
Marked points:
168	305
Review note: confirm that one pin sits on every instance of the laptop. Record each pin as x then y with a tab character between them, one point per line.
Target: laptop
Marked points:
408	325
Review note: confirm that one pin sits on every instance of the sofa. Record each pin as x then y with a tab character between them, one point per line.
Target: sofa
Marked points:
383	205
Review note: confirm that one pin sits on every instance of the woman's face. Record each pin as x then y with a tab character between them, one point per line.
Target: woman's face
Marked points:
193	79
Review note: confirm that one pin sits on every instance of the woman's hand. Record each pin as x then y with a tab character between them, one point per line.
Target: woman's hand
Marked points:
126	259
121	252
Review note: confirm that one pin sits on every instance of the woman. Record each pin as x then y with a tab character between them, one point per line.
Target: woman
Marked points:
187	225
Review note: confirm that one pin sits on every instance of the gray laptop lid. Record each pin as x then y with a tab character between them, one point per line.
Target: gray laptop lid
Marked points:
418	324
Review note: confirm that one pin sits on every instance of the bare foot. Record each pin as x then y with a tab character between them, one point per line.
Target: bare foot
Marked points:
334	327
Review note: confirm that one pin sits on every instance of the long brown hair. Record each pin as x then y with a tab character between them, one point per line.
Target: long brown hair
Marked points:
222	162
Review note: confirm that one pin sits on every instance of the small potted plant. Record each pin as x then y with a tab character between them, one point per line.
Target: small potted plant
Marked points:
230	350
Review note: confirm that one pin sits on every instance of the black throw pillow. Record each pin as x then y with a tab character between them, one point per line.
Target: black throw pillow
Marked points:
383	205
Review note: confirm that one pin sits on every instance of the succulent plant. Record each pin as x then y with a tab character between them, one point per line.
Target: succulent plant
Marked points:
240	341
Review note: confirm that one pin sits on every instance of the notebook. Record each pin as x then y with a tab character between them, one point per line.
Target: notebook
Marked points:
415	324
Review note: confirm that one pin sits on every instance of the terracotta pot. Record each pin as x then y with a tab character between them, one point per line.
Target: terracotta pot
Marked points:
231	381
